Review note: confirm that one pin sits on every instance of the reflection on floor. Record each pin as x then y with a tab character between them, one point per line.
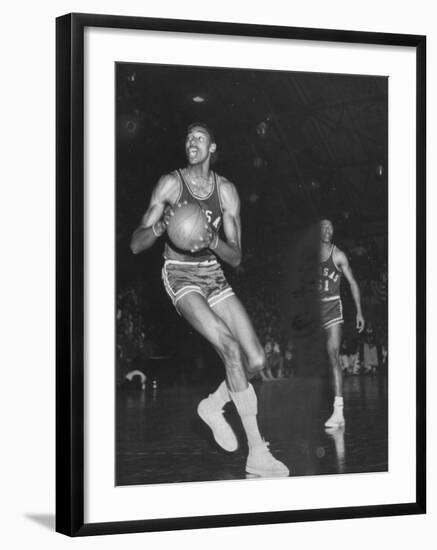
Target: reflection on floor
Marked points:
161	440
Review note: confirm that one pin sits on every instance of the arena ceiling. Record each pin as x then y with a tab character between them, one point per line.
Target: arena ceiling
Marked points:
318	140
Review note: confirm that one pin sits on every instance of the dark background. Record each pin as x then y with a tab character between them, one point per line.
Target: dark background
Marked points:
297	146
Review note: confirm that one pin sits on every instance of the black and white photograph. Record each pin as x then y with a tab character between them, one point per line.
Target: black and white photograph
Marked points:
216	283
251	272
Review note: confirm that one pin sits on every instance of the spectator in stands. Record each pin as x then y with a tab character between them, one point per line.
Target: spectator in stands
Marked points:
289	359
350	357
370	351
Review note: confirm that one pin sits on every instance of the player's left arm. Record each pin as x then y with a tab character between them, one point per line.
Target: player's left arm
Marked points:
343	263
229	250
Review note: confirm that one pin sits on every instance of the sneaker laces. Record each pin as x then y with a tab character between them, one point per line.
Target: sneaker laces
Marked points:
212	400
264	447
219	417
264	450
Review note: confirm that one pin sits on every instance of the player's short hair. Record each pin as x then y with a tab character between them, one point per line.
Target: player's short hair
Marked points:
205	127
326	219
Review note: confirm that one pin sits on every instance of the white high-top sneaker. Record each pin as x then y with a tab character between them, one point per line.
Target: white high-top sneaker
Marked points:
262	463
336	419
212	415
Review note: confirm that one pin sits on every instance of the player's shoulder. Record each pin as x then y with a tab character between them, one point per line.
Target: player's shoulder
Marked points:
168	184
338	255
170	178
226	188
228	195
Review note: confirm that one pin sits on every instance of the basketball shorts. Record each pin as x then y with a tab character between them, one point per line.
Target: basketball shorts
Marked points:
206	278
331	312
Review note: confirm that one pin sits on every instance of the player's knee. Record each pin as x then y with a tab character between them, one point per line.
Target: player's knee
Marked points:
257	362
333	352
231	351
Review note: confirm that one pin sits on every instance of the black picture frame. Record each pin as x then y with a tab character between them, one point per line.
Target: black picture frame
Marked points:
70	273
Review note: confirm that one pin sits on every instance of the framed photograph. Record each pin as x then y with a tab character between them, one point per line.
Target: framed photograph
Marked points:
240	274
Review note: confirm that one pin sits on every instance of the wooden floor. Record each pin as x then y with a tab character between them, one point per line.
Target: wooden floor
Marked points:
160	439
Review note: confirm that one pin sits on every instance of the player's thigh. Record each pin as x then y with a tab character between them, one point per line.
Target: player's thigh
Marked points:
233	313
195	309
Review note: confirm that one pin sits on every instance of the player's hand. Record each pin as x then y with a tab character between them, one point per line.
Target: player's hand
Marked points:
168	214
207	239
360	322
160	227
213	238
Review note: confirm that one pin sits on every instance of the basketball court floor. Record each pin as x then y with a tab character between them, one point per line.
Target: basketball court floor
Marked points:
160	439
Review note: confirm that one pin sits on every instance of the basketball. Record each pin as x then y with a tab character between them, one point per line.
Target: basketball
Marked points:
187	226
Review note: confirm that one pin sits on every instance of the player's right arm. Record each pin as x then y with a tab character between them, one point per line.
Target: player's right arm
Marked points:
154	222
341	260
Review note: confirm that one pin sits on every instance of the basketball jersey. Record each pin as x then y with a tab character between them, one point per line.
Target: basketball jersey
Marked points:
212	207
330	277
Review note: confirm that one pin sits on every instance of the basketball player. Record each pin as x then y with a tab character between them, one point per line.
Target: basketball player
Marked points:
201	294
333	265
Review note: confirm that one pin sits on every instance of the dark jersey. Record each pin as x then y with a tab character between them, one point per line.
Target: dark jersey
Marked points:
330	277
212	207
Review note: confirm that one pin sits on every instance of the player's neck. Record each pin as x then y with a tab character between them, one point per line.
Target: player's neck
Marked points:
325	249
199	176
199	171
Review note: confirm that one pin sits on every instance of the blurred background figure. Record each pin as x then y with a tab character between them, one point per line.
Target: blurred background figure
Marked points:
370	351
350	356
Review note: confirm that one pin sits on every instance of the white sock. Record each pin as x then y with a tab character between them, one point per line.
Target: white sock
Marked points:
338	401
221	395
247	407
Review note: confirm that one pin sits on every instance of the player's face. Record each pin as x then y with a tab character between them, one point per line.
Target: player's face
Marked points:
326	231
198	145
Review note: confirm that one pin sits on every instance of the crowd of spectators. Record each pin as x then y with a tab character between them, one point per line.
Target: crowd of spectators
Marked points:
365	354
134	335
261	284
368	352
